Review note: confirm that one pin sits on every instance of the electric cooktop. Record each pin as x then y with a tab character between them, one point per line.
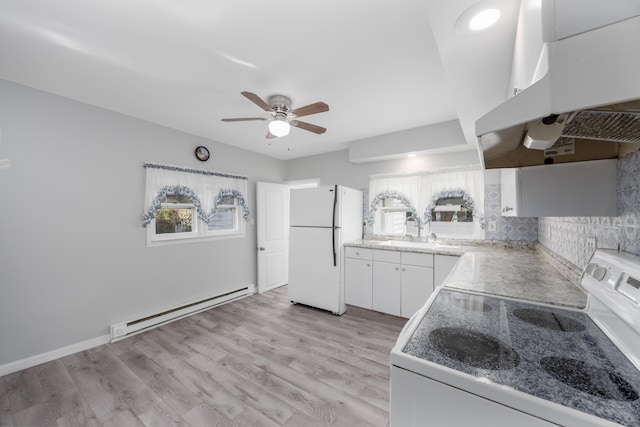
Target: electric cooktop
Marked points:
551	353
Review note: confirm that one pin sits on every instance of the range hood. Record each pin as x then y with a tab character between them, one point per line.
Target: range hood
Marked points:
586	106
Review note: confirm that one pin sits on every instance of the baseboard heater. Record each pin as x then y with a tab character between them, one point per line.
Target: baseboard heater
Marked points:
126	329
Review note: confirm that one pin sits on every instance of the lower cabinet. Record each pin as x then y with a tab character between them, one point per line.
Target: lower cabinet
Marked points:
417	286
358	277
392	282
387	293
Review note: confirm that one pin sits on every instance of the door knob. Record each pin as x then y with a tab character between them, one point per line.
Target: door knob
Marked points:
261	248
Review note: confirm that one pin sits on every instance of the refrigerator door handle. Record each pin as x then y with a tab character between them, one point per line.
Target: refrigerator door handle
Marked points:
333	234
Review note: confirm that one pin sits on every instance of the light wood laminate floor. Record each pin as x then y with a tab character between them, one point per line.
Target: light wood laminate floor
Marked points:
258	361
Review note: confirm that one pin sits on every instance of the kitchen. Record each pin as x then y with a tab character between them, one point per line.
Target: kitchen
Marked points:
70	271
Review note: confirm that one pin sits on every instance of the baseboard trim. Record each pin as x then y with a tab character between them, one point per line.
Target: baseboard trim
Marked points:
39	359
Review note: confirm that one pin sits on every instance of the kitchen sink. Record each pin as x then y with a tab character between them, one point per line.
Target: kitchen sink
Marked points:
416	245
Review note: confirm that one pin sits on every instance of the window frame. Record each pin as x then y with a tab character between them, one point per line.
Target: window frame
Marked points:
200	229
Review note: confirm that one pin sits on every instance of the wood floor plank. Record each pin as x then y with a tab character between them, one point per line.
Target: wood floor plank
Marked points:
5	407
251	394
24	390
179	398
258	361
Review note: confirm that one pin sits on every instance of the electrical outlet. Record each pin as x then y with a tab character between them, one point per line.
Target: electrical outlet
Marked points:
492	226
591	244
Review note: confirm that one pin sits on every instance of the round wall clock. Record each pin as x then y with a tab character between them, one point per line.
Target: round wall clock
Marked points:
202	153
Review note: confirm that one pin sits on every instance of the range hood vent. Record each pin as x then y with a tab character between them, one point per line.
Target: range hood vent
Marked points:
589	95
604	126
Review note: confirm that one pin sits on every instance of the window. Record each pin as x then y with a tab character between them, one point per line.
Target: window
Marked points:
185	205
226	219
452	214
393	216
177	221
451	209
392	213
175	217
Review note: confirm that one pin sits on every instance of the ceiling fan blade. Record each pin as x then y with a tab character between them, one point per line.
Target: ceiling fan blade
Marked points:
257	100
270	135
318	107
308	126
243	119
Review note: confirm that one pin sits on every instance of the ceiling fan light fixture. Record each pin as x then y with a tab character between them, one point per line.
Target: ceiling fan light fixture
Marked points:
279	126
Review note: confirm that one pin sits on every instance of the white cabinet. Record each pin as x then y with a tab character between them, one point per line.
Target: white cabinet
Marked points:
386	287
565	189
417	286
392	282
387	279
443	264
358	277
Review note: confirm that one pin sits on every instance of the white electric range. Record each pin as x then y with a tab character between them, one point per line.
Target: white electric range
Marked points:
472	359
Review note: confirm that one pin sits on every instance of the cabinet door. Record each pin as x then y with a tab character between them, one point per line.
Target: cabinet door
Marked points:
443	266
509	192
417	286
386	287
358	282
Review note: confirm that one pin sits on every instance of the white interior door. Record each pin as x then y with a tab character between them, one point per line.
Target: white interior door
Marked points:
273	235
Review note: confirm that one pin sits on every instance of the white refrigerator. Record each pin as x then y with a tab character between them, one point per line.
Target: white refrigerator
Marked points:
322	219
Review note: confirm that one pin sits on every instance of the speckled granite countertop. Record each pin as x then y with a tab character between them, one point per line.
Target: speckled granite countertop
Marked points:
521	272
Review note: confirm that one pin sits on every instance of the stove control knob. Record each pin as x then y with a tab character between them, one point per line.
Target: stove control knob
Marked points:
596	271
591	268
599	273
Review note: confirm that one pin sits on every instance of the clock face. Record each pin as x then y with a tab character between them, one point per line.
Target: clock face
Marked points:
202	153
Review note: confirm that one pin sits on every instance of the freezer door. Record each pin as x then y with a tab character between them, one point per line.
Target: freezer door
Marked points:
313	207
313	279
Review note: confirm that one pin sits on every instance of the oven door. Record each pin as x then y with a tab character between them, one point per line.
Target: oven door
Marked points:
420	401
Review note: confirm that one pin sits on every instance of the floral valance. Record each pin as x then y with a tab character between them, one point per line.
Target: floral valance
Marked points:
205	189
392	195
458	194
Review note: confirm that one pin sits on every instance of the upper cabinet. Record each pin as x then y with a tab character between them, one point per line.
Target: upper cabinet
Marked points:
566	189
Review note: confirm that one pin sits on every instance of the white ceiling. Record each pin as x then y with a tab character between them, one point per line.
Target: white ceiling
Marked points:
381	66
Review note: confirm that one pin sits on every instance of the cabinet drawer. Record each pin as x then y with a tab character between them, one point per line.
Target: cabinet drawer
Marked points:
358	253
414	258
386	256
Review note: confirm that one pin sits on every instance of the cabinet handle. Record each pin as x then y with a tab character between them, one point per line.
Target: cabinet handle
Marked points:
507	209
397	269
357	253
368	265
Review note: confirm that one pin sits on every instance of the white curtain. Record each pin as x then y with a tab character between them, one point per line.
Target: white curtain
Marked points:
467	180
404	188
204	188
420	188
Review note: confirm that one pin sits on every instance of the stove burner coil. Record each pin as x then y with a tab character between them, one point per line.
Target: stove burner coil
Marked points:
548	320
474	348
589	379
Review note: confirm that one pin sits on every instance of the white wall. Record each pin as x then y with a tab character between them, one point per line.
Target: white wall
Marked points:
73	259
335	168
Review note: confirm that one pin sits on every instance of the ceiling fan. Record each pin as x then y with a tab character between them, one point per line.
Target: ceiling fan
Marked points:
282	116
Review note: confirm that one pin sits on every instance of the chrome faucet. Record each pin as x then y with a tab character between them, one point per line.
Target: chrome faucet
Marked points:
433	236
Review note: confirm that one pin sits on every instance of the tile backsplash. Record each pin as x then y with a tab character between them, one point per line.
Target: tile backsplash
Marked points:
507	228
569	236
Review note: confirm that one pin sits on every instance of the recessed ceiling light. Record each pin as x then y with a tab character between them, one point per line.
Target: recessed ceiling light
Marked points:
411	155
484	19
